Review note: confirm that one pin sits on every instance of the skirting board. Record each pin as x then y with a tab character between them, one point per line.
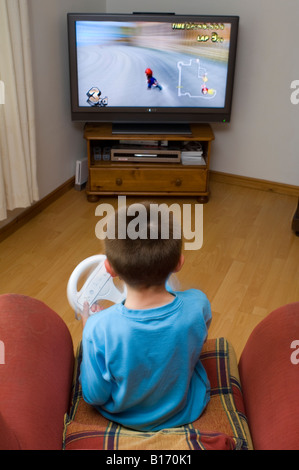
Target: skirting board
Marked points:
35	209
254	183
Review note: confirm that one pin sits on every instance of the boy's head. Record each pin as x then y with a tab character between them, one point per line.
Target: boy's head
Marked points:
151	249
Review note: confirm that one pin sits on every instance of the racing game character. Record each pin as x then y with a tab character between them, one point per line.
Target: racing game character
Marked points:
151	81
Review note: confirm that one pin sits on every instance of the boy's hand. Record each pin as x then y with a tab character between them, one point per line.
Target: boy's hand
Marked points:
85	313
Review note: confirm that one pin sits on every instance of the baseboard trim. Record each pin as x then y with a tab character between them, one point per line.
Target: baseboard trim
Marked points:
35	209
254	183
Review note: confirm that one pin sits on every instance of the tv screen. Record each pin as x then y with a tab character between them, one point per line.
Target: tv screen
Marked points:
143	69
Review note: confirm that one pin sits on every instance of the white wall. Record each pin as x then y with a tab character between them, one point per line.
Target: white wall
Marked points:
59	141
262	140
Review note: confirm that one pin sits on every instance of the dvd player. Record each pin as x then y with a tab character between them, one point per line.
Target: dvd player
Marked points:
139	154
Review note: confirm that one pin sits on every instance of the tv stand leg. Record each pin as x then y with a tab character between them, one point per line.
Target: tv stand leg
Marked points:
202	199
92	198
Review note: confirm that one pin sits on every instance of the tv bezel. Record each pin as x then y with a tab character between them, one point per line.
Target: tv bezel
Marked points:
146	115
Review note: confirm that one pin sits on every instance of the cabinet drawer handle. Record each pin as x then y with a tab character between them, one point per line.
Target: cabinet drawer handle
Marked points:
119	181
178	182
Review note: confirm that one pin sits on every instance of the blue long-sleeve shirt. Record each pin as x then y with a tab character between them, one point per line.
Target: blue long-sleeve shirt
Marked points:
141	368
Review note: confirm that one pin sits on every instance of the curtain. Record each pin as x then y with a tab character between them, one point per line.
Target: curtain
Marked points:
18	182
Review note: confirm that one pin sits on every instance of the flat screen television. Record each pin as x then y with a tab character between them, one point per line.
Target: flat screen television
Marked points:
146	72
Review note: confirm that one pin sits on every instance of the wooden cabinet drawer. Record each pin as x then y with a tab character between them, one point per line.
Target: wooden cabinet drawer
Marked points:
144	179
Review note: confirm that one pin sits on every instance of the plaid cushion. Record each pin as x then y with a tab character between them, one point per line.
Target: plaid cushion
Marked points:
223	424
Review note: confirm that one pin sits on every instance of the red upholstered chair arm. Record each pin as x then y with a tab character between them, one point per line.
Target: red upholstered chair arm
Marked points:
270	380
36	369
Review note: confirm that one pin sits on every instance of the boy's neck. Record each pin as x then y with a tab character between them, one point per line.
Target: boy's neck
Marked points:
145	298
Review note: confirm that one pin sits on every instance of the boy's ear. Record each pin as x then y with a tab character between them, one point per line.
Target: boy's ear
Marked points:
109	268
180	264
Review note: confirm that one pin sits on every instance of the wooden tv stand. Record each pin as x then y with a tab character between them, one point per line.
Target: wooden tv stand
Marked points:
107	178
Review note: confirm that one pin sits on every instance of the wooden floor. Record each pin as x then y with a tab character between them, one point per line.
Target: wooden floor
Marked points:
248	265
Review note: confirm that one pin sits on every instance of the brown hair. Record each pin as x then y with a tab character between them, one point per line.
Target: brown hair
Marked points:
146	260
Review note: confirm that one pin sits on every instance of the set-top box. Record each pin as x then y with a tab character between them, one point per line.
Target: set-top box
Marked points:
145	154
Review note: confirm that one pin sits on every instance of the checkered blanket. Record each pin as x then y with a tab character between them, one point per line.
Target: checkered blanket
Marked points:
222	426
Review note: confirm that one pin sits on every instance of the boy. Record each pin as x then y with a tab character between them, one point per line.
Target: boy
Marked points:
140	365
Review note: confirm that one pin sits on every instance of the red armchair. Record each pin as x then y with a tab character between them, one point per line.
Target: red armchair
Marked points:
270	380
38	404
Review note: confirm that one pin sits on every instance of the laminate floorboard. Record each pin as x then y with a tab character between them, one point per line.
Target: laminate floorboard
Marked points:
248	264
